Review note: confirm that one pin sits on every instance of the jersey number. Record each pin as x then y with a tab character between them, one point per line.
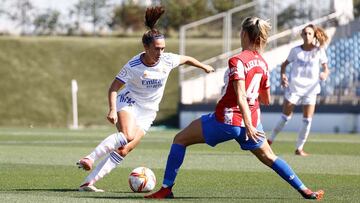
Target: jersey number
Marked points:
252	91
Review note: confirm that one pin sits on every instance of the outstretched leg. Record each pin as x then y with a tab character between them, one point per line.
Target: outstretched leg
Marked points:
108	145
110	162
117	146
266	156
192	134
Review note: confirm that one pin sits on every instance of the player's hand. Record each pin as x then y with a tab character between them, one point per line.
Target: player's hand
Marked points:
112	116
284	80
323	76
252	133
209	69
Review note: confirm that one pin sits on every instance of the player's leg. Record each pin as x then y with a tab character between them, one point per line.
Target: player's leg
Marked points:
288	109
308	112
114	141
203	130
110	162
127	124
192	134
267	156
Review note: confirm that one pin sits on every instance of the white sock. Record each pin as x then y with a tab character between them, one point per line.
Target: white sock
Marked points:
104	167
109	144
303	133
279	126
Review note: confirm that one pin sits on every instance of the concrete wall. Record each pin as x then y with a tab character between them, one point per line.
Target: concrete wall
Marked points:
322	122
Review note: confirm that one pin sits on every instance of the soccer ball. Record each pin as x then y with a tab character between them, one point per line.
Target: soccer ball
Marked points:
142	179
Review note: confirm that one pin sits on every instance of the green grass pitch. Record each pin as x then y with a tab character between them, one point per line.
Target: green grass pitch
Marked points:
38	165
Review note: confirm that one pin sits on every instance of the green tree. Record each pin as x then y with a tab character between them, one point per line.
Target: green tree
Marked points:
179	12
356	8
129	16
94	11
21	12
47	22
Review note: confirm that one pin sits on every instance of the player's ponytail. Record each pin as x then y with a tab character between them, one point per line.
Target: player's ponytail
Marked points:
321	36
258	31
152	15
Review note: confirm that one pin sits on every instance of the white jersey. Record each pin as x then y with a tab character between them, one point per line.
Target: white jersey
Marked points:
144	85
305	70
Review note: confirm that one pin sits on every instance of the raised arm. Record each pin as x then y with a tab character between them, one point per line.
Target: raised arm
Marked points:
194	62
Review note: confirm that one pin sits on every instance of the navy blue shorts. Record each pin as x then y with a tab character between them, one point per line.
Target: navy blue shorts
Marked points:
216	132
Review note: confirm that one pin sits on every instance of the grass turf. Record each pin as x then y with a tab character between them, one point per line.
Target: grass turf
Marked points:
39	71
38	165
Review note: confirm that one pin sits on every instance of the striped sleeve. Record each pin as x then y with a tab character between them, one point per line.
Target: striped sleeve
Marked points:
124	75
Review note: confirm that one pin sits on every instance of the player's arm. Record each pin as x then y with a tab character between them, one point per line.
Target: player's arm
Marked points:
264	96
188	60
112	94
264	90
239	86
284	79
325	72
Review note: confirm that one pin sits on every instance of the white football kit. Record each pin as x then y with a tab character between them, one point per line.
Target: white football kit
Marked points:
304	75
144	87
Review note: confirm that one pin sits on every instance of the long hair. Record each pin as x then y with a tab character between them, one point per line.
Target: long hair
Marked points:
152	15
319	34
258	31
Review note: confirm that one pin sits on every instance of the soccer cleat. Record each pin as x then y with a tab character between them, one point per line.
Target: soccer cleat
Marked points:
308	194
269	142
85	163
301	152
89	188
163	193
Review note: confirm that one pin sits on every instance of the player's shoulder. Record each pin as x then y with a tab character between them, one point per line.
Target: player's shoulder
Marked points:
168	56
135	61
296	49
237	57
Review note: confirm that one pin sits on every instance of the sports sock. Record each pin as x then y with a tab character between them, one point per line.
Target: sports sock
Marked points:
284	170
109	144
175	159
104	167
279	126
303	133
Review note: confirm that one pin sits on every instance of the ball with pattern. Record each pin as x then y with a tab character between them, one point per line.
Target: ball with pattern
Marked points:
142	179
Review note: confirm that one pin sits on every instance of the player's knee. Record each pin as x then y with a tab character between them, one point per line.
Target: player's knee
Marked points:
307	121
267	157
123	151
180	139
129	136
286	117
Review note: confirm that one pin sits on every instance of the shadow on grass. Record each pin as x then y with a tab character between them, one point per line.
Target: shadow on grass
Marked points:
68	190
140	196
194	198
43	190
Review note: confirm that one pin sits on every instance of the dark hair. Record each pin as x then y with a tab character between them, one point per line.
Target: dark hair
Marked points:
152	15
257	29
319	34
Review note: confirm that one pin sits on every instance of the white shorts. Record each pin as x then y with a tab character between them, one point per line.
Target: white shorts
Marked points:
300	99
143	117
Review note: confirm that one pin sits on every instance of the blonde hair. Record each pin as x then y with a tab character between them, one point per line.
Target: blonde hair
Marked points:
319	34
258	31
